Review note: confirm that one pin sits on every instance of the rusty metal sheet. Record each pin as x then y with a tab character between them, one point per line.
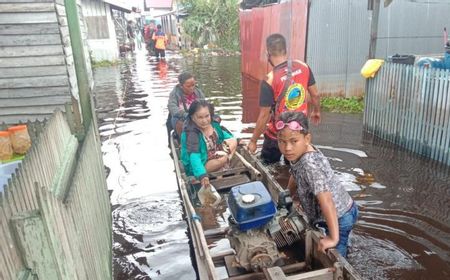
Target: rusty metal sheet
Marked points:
255	26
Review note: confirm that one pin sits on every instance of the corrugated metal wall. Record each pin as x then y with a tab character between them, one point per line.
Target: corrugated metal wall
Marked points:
339	34
338	44
255	26
413	27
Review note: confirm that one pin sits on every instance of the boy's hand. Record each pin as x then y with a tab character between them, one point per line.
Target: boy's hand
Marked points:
326	243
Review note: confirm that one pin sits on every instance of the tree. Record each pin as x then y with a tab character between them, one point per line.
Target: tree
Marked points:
212	21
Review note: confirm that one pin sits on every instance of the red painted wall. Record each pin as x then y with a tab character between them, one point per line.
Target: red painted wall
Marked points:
256	24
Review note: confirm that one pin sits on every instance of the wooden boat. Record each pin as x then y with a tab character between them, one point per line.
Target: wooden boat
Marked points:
251	254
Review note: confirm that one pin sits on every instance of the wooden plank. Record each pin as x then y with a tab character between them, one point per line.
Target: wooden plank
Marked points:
26	7
35	101
15	51
321	274
32	236
38	71
31	110
26	1
15	18
274	273
46	81
27	29
31	61
33	92
30	40
231	268
228	182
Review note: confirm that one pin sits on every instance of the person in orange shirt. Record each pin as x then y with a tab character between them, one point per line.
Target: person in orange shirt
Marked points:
160	39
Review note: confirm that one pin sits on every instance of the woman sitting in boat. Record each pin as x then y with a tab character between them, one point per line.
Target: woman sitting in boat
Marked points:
202	142
323	197
180	99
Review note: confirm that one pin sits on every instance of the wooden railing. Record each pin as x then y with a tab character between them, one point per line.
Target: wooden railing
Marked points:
55	216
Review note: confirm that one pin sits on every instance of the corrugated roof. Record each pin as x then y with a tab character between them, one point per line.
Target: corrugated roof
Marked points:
119	5
158	3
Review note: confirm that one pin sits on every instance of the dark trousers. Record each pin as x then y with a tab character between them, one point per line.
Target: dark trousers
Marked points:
270	153
160	53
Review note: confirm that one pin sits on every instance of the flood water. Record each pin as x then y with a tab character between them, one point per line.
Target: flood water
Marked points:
403	231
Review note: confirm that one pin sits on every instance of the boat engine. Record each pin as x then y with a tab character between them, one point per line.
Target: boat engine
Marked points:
258	229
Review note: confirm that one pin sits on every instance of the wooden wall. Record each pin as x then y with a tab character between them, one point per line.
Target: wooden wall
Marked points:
55	215
37	74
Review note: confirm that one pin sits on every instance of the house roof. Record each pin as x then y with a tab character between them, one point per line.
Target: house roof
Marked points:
120	5
158	3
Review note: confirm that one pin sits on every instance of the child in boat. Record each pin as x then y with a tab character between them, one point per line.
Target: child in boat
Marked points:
202	140
323	198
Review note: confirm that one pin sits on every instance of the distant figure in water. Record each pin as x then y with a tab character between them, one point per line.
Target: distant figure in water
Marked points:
180	99
203	141
160	39
313	183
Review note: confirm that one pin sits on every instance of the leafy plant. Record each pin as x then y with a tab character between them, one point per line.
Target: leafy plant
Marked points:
342	105
212	22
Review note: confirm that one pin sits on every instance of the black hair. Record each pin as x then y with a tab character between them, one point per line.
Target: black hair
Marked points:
299	117
158	26
183	77
276	44
197	104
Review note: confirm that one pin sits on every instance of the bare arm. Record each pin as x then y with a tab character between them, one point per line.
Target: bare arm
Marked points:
263	118
329	212
314	102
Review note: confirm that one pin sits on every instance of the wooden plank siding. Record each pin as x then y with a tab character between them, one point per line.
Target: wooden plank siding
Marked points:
36	60
410	106
32	60
55	215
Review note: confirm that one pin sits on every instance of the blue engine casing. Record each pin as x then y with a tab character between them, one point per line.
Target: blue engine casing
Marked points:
252	214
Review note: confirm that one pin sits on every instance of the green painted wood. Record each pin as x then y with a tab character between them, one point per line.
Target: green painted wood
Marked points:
79	60
62	179
34	244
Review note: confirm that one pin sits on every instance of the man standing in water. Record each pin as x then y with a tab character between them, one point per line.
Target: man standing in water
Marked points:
160	39
279	93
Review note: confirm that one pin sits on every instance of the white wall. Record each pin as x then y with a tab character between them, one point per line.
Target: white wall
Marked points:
105	48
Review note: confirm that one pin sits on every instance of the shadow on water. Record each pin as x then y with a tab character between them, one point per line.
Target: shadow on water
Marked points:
403	231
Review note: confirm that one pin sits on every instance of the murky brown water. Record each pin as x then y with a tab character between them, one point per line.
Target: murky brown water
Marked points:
403	231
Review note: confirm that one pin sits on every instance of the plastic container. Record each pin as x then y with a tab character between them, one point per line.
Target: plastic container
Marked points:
403	59
6	169
20	139
371	68
6	151
251	205
209	196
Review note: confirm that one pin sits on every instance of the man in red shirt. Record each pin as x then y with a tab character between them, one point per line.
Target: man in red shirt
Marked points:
276	96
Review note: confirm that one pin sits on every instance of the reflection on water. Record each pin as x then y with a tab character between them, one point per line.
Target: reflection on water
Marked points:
403	231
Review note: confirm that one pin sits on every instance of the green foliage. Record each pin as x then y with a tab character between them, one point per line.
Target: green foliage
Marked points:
212	22
342	105
103	63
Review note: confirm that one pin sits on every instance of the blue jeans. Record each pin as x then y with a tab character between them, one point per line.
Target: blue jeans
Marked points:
346	223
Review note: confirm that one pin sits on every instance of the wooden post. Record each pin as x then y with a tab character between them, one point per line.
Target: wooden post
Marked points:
374	28
79	61
33	241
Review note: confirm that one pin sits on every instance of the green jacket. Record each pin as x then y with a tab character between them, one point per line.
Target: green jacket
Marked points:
194	154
